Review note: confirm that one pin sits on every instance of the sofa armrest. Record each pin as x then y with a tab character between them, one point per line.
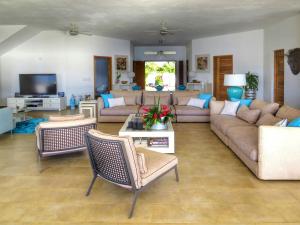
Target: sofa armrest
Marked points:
100	104
278	153
216	106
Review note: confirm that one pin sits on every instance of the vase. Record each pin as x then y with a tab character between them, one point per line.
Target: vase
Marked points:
251	94
234	92
159	126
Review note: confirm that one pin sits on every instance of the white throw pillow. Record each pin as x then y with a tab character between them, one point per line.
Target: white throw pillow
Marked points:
116	102
196	102
230	108
282	123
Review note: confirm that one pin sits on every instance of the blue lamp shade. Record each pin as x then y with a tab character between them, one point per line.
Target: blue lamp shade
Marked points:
235	83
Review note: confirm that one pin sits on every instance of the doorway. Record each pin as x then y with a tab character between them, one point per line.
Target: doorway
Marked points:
102	75
222	65
279	76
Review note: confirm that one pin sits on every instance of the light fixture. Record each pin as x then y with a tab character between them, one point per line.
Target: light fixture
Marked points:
235	82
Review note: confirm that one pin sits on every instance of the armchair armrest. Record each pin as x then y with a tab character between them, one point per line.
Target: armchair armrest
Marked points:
278	153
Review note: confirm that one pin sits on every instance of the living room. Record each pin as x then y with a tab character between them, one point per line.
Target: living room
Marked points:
149	112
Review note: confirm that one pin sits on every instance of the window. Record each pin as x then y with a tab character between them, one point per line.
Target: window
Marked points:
160	73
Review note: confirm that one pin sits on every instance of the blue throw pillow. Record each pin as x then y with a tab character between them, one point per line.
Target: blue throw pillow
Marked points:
136	88
245	101
207	97
294	123
105	98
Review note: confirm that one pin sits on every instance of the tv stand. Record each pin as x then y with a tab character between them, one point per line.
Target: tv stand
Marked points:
37	103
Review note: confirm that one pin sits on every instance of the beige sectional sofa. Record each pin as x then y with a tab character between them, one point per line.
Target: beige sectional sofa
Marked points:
270	152
176	100
185	113
133	100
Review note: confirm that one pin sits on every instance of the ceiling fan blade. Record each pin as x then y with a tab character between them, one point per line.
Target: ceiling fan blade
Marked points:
85	33
169	52
150	31
150	53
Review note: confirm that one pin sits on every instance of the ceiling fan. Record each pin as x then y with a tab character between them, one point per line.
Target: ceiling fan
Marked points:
163	30
73	30
160	53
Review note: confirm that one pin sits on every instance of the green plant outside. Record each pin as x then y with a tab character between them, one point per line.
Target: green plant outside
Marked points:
251	81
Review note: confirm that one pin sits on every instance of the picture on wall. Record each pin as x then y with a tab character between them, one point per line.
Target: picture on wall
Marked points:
121	62
202	63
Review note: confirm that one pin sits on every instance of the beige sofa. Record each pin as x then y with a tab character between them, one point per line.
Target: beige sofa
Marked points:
185	113
150	97
120	113
270	152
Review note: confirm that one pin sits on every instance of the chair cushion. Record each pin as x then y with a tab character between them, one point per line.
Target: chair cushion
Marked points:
157	164
123	110
224	122
59	118
246	139
190	111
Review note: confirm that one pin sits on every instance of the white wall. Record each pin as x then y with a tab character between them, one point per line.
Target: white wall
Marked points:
246	48
284	35
8	30
140	56
71	58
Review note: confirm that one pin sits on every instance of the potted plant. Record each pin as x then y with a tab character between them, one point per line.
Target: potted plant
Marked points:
156	117
251	85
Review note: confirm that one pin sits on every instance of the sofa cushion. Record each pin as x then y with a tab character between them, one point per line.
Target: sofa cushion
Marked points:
130	100
268	120
216	107
123	110
190	111
149	100
141	110
287	112
187	93
225	122
248	115
230	108
183	100
122	93
246	139
264	107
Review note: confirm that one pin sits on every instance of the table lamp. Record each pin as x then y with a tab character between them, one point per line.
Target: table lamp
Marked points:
235	83
131	75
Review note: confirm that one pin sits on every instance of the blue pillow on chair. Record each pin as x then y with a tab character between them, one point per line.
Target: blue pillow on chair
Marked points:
247	102
294	123
207	97
105	98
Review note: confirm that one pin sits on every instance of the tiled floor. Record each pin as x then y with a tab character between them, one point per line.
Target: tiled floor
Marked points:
215	188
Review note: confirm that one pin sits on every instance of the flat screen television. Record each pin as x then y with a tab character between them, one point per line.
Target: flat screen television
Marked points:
37	84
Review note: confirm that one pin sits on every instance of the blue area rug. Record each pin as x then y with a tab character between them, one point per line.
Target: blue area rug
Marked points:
28	126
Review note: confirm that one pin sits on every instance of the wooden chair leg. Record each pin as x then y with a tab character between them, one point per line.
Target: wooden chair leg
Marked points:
135	196
176	173
91	185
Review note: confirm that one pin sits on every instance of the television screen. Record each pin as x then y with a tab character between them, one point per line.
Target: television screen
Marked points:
37	84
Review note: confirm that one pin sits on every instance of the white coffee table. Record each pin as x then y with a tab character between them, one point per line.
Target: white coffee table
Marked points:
141	137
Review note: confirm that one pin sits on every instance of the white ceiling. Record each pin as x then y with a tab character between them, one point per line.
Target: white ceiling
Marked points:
128	19
7	30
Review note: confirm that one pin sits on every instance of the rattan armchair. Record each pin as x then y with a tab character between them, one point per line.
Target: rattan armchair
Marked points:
62	137
116	160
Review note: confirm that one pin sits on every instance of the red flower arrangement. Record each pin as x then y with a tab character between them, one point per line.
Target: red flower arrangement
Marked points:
157	114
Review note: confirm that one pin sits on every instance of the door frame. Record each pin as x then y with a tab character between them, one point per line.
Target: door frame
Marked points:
109	60
276	74
214	71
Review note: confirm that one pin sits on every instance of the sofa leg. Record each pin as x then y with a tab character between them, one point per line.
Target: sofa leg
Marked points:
91	185
176	173
135	196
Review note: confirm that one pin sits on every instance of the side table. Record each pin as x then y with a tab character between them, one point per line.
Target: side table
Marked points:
88	108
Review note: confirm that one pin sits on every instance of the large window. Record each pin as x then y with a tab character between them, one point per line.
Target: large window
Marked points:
160	73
